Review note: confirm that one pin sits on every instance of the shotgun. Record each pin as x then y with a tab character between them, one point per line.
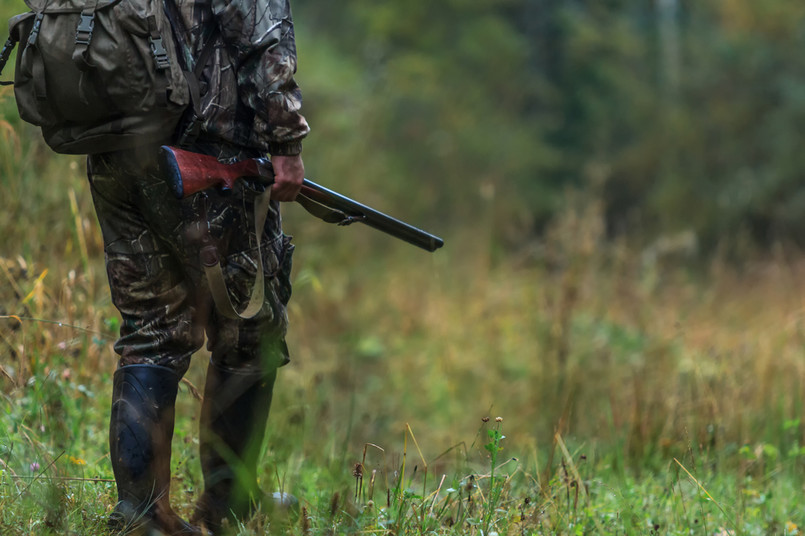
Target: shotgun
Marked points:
188	172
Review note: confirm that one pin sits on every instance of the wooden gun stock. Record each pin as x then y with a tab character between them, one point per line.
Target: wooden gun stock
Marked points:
187	173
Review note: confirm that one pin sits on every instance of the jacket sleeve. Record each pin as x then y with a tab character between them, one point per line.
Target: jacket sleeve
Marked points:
261	36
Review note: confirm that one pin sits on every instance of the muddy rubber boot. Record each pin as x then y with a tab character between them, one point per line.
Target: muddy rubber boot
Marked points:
140	433
233	424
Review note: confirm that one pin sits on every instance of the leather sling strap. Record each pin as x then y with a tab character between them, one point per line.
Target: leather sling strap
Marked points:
215	275
210	258
323	212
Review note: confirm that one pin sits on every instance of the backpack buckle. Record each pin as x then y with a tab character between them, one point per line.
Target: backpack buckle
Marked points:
190	132
159	52
35	29
6	52
4	55
83	34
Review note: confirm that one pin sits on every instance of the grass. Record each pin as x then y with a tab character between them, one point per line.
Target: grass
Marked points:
568	387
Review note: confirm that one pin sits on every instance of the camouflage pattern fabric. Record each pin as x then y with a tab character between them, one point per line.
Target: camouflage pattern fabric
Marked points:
250	106
249	96
152	241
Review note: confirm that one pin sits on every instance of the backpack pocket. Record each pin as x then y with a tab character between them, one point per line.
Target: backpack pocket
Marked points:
29	78
99	76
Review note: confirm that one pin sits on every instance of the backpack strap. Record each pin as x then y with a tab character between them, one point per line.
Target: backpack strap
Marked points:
5	54
190	126
38	67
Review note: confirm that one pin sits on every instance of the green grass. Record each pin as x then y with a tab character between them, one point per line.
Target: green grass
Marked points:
634	397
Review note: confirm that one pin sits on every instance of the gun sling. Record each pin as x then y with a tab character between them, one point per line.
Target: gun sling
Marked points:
210	257
211	261
323	212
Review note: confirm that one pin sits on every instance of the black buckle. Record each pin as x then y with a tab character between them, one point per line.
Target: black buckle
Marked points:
160	53
6	52
7	48
35	30
190	132
4	55
83	34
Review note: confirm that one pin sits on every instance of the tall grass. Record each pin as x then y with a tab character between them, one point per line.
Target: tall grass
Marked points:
635	395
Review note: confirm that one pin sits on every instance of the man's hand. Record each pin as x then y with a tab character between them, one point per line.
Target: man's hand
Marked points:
288	174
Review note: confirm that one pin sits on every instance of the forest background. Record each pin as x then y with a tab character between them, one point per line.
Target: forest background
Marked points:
619	187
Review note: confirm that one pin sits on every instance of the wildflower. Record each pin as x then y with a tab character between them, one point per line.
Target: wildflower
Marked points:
34	467
77	461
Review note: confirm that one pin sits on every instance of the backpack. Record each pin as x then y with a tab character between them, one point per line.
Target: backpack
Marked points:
103	75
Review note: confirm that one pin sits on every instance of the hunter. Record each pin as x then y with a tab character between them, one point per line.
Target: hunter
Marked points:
249	106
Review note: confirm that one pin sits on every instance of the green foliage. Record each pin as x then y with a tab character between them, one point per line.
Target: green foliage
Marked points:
685	120
495	484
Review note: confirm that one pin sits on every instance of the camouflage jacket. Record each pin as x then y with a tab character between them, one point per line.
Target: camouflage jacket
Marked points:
249	95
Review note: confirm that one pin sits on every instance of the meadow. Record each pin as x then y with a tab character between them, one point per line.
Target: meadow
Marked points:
573	386
546	372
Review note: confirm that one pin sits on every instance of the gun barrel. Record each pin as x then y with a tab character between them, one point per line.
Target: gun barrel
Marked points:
371	217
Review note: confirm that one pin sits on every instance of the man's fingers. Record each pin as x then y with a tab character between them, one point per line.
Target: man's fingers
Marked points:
289	172
284	192
285	189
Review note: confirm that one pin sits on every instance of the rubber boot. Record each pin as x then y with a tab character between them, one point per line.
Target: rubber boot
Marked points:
140	433
233	423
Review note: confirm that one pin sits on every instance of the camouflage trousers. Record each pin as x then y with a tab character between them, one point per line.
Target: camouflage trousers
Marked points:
152	242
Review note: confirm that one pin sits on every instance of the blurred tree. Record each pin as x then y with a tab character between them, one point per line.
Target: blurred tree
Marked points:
445	89
679	115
